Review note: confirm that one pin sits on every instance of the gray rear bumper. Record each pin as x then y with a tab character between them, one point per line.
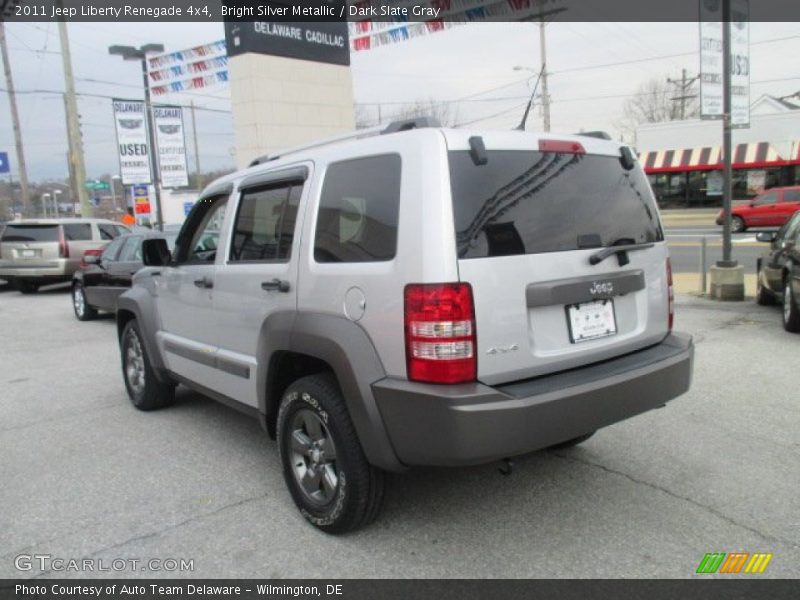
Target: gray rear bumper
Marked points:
474	423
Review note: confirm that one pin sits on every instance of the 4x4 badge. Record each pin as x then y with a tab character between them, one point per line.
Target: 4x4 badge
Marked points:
601	288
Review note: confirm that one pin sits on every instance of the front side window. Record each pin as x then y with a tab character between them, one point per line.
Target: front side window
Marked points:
770	198
358	211
265	223
132	250
199	241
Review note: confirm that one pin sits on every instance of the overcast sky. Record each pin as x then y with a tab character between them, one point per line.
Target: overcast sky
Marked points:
471	66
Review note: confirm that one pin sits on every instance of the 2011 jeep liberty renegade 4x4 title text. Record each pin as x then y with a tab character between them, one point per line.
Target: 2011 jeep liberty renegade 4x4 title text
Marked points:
413	296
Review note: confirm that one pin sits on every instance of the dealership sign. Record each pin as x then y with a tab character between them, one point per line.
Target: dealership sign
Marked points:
317	41
171	146
711	61
130	122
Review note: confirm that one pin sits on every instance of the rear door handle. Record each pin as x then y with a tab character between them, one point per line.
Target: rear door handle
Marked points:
204	282
276	285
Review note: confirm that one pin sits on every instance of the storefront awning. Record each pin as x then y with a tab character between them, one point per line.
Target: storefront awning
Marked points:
707	158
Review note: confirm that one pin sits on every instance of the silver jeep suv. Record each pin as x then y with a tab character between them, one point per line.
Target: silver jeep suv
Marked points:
413	296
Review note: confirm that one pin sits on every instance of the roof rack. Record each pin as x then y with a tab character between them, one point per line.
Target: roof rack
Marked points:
601	135
393	127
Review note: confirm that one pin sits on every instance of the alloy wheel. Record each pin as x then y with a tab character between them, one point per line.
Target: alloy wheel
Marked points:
313	457
134	363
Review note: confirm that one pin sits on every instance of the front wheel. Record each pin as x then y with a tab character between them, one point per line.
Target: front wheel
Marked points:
325	469
145	391
83	310
791	314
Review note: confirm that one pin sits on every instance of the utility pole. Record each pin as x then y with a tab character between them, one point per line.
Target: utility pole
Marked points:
199	179
684	83
73	127
12	102
545	94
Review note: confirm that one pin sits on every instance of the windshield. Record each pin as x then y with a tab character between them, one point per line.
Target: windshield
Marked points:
526	202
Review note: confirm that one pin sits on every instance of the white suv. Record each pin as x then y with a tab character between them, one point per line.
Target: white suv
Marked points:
413	296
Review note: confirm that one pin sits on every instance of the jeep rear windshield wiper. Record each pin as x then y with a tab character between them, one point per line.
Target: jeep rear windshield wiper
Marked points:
621	248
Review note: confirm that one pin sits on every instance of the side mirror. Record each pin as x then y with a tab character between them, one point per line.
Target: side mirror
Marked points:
766	236
155	252
91	259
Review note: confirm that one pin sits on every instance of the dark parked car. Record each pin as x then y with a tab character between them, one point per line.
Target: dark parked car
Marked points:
97	285
772	208
779	272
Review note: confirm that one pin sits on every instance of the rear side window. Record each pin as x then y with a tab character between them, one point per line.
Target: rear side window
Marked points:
526	202
132	251
358	211
30	233
264	227
791	196
77	232
112	249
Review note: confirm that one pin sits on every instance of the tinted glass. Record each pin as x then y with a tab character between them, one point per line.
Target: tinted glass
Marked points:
77	232
524	202
264	227
132	250
203	247
357	220
121	230
112	249
766	199
791	196
30	233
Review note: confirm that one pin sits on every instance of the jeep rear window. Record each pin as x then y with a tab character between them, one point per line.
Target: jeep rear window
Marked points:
527	202
31	233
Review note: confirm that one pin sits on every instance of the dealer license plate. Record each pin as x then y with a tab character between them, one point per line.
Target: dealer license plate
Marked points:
591	320
28	253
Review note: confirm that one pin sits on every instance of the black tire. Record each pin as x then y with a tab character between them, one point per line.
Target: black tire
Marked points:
26	287
764	296
573	442
791	313
312	418
80	305
738	225
145	391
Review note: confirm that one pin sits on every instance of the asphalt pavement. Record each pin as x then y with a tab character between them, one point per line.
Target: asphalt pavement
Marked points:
85	475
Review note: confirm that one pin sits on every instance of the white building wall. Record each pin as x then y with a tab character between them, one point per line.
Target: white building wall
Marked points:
781	130
282	102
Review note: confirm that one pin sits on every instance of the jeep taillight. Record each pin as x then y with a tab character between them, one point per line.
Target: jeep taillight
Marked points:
63	247
440	333
670	294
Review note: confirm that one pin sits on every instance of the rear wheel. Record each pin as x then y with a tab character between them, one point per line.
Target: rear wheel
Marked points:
83	310
328	476
573	442
26	287
737	224
145	391
791	313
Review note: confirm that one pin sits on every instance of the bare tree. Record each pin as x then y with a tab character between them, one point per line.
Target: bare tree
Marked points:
655	101
444	112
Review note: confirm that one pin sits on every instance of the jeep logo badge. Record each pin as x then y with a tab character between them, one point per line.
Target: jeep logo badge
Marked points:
605	287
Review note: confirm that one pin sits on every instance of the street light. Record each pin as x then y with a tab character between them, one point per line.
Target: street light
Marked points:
111	181
140	54
55	200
